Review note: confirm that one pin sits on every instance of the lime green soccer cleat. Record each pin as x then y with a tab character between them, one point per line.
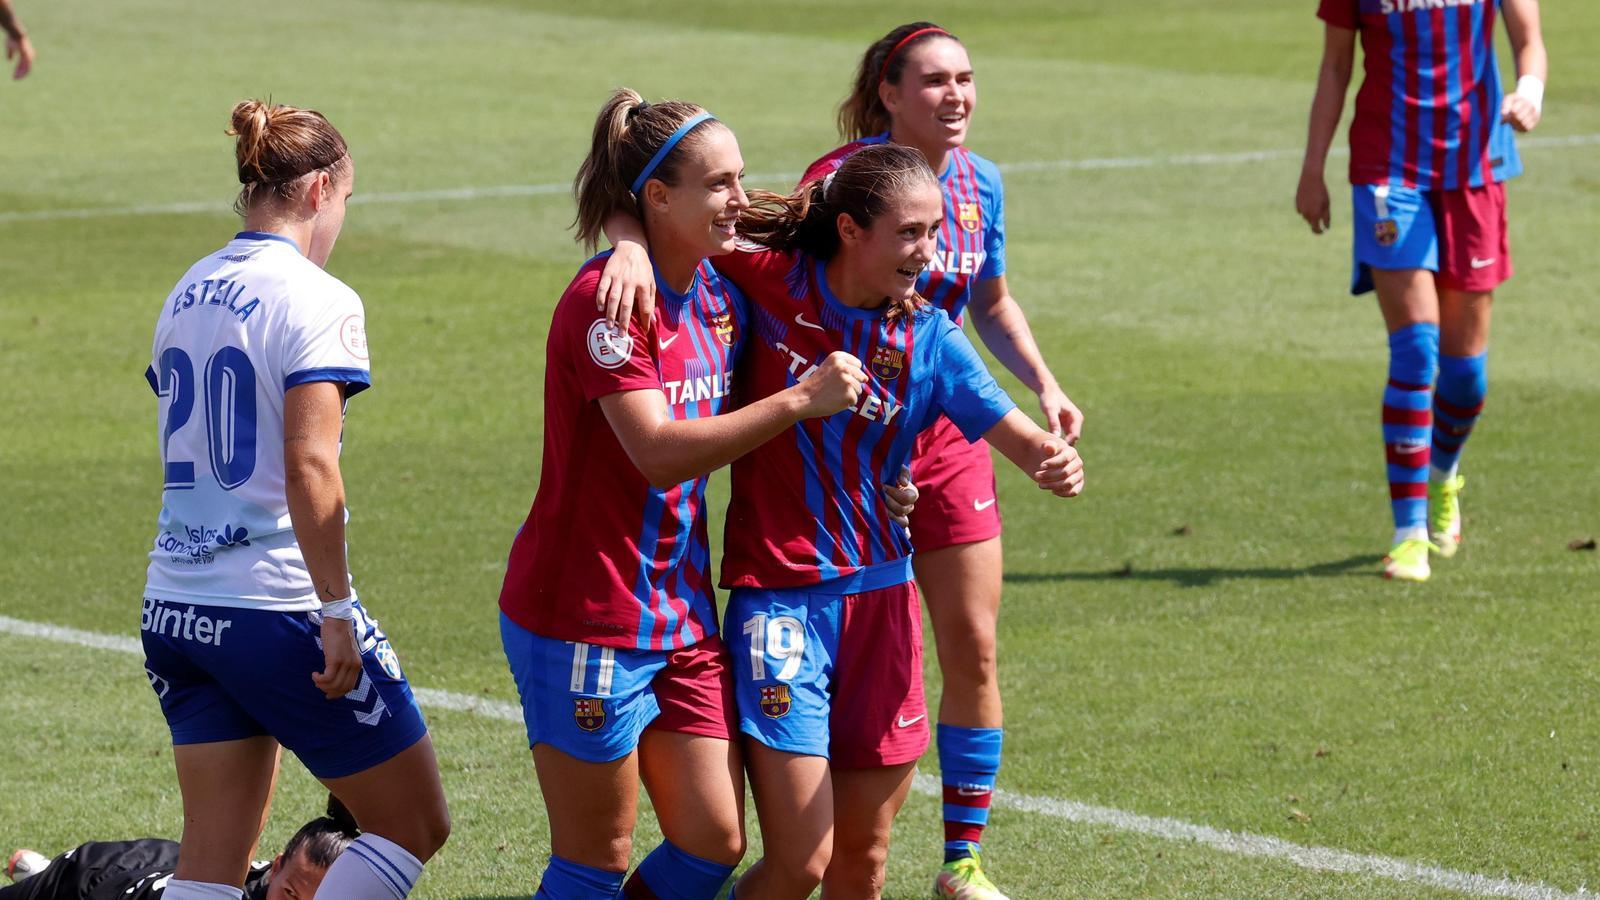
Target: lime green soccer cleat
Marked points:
1444	513
964	880
1408	561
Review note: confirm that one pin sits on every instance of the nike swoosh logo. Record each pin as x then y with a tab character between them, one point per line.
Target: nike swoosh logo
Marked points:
668	342
1482	263
904	722
981	505
969	792
801	318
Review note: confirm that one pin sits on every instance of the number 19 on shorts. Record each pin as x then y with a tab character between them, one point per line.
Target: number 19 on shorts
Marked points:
781	637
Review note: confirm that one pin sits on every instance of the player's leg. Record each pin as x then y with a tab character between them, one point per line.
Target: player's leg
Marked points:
1475	258
783	653
958	564
225	760
695	775
585	708
1458	401
864	806
961	588
1396	252
794	805
1410	308
400	806
224	785
592	807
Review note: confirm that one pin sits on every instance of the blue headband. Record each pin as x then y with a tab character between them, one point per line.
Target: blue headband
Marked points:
650	167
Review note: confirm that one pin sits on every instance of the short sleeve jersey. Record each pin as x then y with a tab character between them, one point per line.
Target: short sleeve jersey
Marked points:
972	240
807	506
604	557
242	327
1428	112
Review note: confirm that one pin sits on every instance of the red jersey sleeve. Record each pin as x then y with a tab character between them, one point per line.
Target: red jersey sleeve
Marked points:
604	361
1340	13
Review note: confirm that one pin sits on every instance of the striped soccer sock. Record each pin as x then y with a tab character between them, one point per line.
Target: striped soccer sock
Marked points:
564	879
371	868
1463	383
1407	421
672	873
969	760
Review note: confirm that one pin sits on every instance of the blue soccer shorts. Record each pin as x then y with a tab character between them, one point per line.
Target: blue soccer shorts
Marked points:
831	675
593	702
1459	234
225	673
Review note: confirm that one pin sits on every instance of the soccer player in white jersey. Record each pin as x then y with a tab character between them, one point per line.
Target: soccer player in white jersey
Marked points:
253	634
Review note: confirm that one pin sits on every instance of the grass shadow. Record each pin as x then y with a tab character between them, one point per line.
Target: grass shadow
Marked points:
1360	565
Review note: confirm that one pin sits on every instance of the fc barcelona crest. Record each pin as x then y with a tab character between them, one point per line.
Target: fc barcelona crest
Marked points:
888	363
589	713
967	215
723	326
1387	231
775	700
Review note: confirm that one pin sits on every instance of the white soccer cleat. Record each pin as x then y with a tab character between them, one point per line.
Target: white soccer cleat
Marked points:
25	863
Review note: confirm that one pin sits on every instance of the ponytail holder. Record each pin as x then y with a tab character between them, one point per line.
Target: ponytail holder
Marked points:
650	167
884	72
635	110
827	182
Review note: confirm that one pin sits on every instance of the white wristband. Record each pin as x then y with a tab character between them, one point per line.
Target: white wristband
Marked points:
1532	90
340	609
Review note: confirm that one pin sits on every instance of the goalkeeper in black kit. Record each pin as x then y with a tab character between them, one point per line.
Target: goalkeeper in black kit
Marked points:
139	869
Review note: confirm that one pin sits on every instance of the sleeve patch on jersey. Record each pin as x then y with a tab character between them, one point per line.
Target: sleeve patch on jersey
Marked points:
609	347
353	335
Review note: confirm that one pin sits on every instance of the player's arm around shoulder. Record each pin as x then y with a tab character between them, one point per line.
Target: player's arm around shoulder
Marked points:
1524	106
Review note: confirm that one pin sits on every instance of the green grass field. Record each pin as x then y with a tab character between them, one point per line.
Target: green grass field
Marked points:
1201	636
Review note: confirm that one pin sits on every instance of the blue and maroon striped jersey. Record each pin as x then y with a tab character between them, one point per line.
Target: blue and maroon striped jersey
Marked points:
972	241
1428	112
807	506
604	557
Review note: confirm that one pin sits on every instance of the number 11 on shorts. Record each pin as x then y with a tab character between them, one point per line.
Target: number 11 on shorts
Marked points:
782	636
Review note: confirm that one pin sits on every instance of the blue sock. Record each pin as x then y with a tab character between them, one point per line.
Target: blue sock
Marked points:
1407	423
564	879
672	873
969	760
730	892
1463	383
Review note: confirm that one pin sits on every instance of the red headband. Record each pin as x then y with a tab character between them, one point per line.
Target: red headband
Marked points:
904	41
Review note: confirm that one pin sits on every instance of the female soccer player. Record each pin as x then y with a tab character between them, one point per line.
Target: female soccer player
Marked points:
828	662
141	869
253	635
607	610
915	87
1430	150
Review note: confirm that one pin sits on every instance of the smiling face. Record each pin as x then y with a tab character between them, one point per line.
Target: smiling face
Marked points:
696	216
886	257
931	103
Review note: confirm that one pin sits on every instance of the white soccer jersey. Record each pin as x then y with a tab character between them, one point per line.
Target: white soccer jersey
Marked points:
243	326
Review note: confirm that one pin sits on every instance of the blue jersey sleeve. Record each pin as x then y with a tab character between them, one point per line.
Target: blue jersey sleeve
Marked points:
993	196
963	388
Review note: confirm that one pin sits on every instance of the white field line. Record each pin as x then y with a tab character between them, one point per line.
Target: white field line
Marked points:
1181	160
1321	859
